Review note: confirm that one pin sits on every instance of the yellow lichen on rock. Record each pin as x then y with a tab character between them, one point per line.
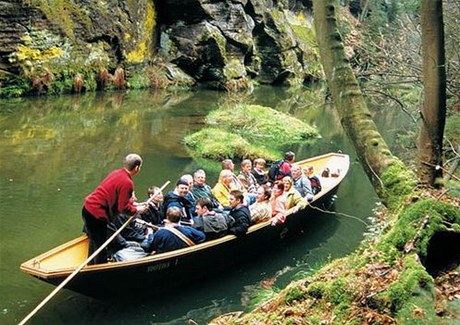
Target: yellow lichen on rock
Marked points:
145	41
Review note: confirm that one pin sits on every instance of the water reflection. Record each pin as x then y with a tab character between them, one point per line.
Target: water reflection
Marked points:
57	149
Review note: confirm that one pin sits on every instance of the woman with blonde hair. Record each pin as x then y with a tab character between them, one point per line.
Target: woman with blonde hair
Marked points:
294	201
221	190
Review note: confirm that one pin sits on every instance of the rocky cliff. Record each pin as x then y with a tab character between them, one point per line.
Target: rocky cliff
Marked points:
50	46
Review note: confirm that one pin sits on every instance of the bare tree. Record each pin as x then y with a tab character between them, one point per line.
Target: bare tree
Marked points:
434	80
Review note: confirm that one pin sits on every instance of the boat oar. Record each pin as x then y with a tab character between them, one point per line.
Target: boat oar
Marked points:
82	265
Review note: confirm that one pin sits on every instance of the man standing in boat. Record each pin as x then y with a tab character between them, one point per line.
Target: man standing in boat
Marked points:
113	196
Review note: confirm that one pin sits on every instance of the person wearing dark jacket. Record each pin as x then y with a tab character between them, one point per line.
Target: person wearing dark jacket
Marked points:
154	214
177	198
173	235
128	244
240	213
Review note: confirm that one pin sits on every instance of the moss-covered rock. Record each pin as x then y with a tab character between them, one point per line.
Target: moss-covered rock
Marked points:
248	131
386	281
67	40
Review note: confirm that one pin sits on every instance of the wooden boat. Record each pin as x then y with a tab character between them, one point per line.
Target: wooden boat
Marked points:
172	269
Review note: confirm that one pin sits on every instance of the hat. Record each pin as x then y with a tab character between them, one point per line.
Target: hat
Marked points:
181	182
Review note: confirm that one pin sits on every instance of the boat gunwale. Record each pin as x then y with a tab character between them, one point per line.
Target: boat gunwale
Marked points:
30	268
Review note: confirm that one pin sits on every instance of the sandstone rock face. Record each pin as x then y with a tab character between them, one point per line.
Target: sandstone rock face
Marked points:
91	33
213	41
224	40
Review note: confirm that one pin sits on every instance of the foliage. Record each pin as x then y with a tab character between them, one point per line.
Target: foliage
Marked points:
49	63
63	13
138	80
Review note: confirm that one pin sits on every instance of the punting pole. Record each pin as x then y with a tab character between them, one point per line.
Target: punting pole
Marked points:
78	269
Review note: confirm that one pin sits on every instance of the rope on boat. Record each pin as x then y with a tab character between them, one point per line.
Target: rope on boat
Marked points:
340	214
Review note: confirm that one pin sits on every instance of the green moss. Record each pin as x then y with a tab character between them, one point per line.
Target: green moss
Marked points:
452	131
63	13
50	58
317	289
213	35
234	69
305	34
138	80
262	295
218	144
338	292
398	181
419	309
413	278
411	224
247	131
262	124
294	292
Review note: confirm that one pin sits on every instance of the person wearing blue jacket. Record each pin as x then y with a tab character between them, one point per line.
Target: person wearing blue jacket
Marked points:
173	235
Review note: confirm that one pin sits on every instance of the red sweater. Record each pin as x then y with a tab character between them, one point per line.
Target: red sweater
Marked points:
112	197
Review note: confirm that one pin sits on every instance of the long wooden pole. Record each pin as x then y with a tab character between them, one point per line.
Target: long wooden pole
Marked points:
78	269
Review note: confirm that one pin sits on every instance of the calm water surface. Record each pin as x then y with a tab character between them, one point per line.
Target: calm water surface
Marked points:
56	150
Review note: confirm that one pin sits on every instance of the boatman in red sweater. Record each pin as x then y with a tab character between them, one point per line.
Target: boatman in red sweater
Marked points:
113	196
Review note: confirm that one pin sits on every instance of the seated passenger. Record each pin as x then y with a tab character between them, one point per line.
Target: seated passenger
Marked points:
213	224
278	203
127	245
173	235
177	198
235	184
240	213
301	183
189	196
246	177
294	201
154	213
201	189
261	210
314	180
281	168
259	171
222	188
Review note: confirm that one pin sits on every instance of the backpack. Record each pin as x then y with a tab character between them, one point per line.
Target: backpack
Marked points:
275	170
315	184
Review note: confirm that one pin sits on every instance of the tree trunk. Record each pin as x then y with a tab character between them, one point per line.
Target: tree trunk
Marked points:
349	101
434	79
